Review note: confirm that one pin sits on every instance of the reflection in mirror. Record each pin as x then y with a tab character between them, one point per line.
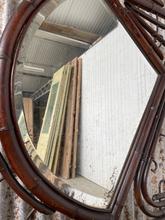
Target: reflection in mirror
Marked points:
80	94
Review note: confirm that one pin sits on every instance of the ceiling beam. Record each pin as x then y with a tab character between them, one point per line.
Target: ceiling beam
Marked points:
70	32
61	39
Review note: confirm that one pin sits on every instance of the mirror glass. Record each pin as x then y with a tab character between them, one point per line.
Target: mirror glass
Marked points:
81	88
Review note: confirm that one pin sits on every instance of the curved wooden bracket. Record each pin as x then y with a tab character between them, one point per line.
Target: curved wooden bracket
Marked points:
151	27
18	188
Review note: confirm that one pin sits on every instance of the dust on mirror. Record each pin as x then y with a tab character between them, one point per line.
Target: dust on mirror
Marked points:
81	88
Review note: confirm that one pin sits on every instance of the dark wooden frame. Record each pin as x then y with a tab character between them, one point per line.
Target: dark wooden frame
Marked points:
13	144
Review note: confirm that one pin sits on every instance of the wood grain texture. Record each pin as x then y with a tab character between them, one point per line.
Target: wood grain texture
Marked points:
60	137
69	126
70	32
77	120
28	109
58	113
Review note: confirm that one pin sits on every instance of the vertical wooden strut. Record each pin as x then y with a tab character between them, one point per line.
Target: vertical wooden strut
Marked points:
137	9
150	30
150	6
148	38
145	15
77	118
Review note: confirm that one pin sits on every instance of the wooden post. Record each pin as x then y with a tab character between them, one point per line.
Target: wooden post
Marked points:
28	110
69	127
77	116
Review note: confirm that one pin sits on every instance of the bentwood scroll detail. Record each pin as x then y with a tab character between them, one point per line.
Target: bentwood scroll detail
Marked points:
150	18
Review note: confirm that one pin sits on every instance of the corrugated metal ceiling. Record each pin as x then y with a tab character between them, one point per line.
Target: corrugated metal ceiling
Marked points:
50	53
86	15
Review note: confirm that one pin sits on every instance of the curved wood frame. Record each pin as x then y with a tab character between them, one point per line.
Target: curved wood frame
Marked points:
19	189
143	198
13	144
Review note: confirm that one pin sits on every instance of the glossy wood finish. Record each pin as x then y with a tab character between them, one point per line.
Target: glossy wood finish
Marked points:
137	9
13	144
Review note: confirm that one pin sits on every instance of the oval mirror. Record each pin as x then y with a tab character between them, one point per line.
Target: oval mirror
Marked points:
82	98
79	98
